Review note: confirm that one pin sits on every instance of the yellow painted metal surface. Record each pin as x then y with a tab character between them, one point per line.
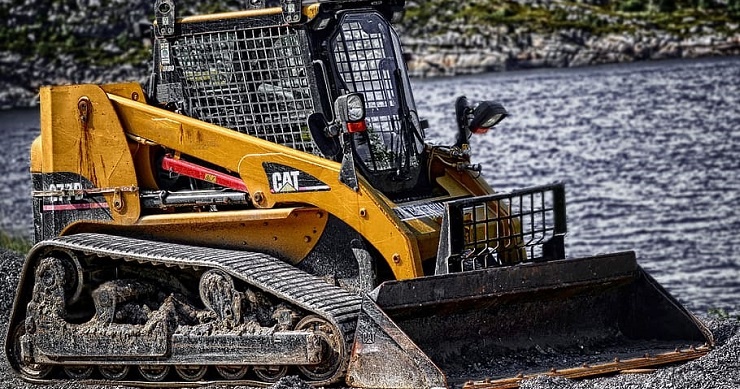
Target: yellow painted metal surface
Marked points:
311	10
367	211
456	184
81	133
288	233
426	231
463	183
129	90
115	148
250	13
36	155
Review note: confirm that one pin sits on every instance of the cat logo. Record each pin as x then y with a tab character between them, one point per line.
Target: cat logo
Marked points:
367	336
285	181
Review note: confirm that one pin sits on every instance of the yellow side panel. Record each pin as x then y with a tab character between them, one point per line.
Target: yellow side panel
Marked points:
81	133
365	210
289	233
129	90
36	155
459	184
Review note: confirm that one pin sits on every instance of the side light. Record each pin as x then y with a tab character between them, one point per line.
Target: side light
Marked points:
486	115
353	127
476	119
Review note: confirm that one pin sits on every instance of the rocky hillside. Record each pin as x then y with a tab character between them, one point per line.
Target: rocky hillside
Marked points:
74	41
449	37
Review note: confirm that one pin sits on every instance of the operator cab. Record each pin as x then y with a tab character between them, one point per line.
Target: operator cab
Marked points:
279	74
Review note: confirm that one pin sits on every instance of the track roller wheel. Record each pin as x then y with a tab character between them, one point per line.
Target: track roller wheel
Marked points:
232	372
154	373
332	350
191	373
30	370
270	374
78	372
113	373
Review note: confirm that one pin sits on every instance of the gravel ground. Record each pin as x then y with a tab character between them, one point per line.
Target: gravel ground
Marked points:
720	369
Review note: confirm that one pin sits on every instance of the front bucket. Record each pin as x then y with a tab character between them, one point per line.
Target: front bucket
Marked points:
536	317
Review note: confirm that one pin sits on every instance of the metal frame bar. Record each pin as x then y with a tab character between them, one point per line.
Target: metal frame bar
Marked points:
486	231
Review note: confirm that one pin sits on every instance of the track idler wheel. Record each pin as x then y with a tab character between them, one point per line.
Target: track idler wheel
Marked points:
30	370
154	373
114	373
270	374
332	349
232	372
218	294
191	373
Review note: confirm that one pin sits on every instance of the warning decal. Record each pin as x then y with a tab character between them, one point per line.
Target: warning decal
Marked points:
431	210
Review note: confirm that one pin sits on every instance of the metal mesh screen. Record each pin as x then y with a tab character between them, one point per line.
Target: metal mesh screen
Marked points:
364	61
255	81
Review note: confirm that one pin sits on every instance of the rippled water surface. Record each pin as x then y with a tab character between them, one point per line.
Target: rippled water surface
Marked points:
649	153
18	128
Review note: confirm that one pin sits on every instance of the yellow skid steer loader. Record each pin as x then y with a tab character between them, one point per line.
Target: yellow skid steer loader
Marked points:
268	206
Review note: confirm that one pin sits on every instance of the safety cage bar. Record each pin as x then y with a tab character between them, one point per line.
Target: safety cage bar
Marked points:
502	229
250	74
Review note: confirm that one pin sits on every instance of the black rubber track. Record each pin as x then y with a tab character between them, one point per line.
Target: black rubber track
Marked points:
264	272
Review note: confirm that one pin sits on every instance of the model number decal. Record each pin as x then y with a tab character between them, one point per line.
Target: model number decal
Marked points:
68	191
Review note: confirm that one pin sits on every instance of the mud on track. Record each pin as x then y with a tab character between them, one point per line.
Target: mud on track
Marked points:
720	369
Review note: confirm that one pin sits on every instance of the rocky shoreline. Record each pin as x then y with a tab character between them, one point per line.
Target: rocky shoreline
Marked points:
456	54
100	41
428	58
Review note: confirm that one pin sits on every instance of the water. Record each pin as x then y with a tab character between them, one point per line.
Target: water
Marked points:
649	153
18	128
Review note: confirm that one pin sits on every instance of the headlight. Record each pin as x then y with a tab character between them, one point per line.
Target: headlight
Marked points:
492	121
486	115
355	108
350	107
